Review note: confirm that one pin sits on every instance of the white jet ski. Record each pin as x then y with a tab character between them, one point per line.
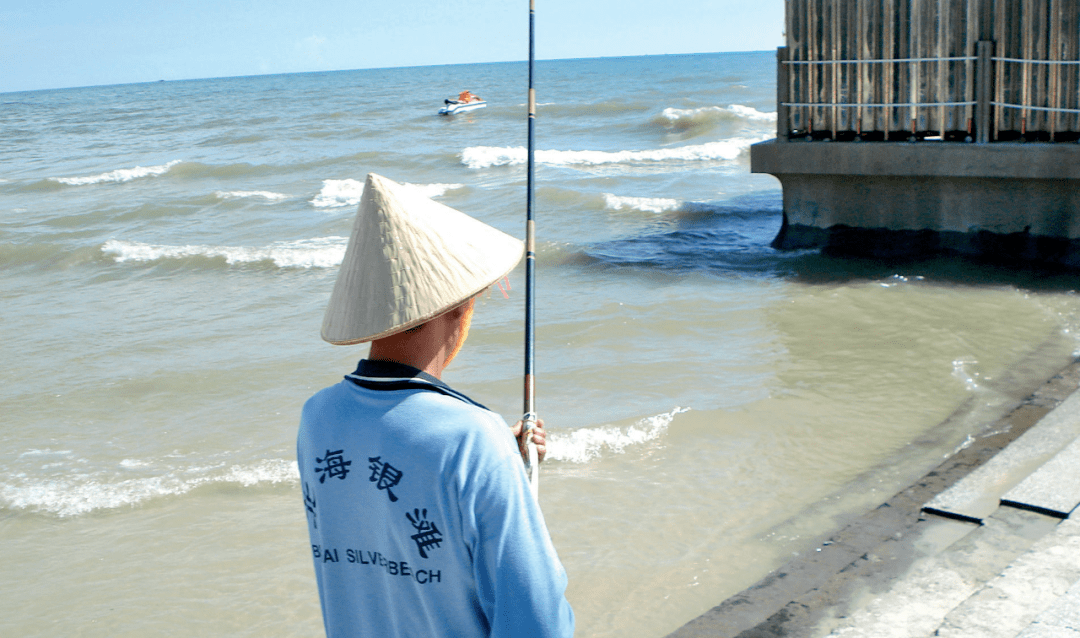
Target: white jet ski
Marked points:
455	106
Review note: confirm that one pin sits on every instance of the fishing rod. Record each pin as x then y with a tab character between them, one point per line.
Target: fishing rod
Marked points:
532	467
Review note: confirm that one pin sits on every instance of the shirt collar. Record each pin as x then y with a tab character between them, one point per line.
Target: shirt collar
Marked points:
393	370
389	375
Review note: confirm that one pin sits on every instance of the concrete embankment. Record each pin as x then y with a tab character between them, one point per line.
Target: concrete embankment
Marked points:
1003	200
983	545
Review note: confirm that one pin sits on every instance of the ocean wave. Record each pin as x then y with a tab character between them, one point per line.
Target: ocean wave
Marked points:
321	252
119	175
267	195
46	255
735	111
585	444
726	150
339	192
336	193
76	494
645	204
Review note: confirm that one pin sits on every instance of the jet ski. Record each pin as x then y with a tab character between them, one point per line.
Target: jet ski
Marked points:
465	102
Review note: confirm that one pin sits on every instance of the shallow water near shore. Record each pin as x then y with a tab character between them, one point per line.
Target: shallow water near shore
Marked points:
714	406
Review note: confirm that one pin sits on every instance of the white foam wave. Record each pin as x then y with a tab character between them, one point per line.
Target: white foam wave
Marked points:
339	192
750	113
336	193
75	494
738	110
488	156
45	452
321	252
119	175
267	195
585	444
646	204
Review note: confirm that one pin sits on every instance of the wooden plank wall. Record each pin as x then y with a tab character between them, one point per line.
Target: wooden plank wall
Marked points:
909	90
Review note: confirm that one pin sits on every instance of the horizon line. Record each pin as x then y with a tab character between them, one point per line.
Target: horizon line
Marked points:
377	68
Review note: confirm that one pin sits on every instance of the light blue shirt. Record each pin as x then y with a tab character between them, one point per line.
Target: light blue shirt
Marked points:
420	515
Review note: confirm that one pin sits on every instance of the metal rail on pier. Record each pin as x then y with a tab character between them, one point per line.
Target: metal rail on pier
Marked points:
959	70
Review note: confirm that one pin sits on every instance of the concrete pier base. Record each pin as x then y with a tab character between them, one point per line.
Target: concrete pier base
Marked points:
1009	201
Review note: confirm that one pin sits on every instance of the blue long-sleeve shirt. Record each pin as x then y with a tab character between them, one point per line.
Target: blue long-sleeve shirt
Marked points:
420	515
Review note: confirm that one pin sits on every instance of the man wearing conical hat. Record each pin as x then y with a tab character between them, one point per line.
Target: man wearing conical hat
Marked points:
418	507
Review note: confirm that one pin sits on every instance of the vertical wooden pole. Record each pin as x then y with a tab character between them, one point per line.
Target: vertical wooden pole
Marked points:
783	95
791	41
1000	49
941	49
971	45
1070	91
814	34
1027	39
984	93
914	92
888	51
834	40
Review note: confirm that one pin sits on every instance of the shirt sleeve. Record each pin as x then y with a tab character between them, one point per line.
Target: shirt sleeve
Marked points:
520	582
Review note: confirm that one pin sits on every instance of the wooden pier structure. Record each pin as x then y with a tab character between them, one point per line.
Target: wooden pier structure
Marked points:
916	126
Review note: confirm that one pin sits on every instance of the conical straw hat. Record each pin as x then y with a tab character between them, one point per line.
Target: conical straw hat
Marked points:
409	260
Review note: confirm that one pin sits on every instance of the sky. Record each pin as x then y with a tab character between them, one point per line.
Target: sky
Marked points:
48	44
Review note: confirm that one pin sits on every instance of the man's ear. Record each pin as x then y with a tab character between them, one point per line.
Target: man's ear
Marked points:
462	310
459	312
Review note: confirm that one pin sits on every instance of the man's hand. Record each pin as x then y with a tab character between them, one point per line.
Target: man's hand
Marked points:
539	438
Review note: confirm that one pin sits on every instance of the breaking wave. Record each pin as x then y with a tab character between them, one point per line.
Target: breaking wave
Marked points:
585	444
726	150
75	494
337	193
119	175
735	111
321	252
645	204
267	195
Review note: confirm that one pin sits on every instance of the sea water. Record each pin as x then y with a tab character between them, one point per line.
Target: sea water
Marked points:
714	406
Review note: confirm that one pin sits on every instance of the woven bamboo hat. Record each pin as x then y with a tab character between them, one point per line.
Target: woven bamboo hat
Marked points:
409	260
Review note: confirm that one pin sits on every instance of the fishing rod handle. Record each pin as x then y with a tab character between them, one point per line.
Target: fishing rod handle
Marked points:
532	465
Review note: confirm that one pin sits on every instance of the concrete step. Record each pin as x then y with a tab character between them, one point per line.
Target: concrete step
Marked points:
979	493
1060	620
1037	582
904	570
1054	488
916	604
995	580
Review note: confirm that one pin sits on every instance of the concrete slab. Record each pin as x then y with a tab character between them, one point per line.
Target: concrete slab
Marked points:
1027	588
1054	488
1000	160
821	610
916	605
1044	631
1060	619
979	493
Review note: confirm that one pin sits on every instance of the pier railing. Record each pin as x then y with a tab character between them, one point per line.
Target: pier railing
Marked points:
957	70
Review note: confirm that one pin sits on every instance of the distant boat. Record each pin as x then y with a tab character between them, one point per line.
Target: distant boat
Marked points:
457	106
465	101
